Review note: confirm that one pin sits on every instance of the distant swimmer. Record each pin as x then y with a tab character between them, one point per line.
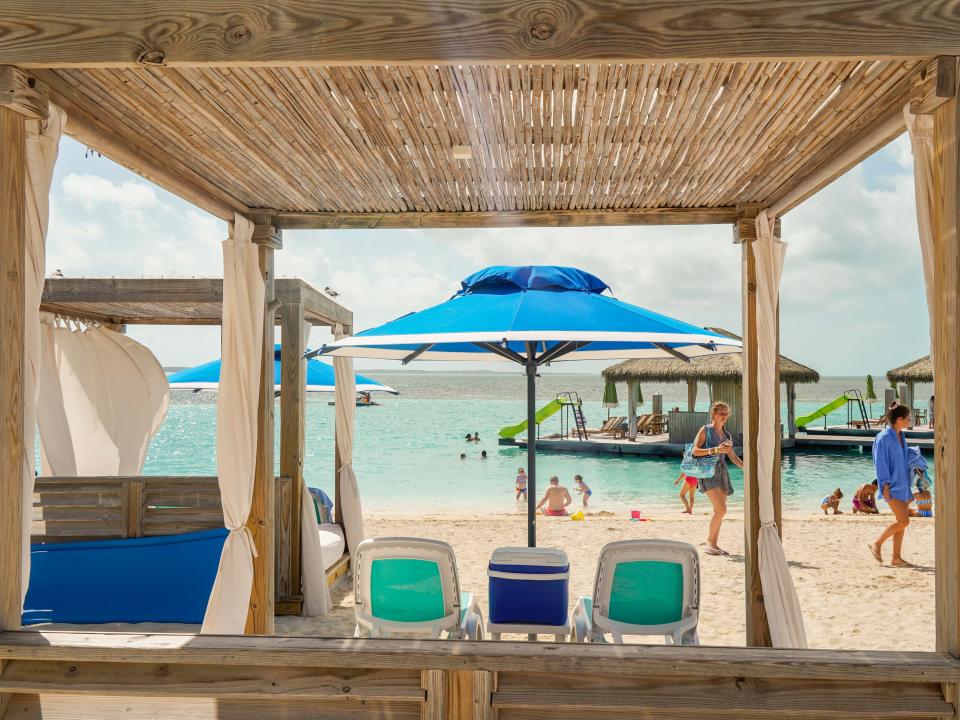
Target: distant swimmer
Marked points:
556	498
483	454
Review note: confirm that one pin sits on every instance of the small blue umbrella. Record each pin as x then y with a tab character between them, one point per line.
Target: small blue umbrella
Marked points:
319	377
532	315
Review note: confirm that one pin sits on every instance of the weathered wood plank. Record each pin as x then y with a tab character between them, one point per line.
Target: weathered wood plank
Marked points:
946	368
142	680
636	660
292	423
179	301
505	218
12	308
43	33
260	618
83	707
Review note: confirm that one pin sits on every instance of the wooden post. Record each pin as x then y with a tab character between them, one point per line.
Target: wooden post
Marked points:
691	395
344	331
946	367
758	631
12	304
261	520
293	371
791	409
632	409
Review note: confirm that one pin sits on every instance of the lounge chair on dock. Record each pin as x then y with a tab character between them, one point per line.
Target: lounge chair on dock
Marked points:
609	427
409	586
642	587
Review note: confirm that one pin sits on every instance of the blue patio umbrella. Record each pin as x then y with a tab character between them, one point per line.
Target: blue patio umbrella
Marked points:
532	315
319	377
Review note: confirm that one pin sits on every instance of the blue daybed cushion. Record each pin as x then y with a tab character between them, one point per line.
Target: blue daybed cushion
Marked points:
155	579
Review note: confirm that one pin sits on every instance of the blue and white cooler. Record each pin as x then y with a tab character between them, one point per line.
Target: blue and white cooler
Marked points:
529	592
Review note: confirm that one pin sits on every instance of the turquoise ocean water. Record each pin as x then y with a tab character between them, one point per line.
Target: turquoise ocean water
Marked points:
406	452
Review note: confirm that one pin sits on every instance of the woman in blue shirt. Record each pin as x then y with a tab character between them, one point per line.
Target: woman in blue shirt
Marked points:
891	458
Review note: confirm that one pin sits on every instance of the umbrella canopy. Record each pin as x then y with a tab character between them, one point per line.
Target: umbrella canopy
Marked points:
532	315
610	395
319	377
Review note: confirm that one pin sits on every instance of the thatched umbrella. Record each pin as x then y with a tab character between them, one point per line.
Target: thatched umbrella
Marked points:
723	373
917	371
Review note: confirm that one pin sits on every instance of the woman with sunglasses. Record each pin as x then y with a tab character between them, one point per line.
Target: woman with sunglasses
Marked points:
714	440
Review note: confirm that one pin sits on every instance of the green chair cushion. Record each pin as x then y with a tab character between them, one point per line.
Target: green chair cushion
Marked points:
647	592
406	590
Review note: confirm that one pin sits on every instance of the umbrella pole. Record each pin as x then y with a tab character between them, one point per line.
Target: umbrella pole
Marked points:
531	454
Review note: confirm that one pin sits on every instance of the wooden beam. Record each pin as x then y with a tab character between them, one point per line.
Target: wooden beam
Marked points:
57	33
946	370
87	125
895	667
22	93
758	631
292	420
505	218
13	243
260	619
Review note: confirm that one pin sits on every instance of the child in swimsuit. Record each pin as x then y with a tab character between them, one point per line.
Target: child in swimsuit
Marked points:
832	501
581	487
689	488
521	484
922	499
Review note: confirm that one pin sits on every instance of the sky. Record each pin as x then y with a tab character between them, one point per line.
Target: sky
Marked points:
852	298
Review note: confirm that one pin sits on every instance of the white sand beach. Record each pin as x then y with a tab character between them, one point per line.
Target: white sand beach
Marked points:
848	600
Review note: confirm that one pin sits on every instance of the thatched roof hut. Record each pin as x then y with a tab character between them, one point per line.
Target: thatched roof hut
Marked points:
916	371
719	366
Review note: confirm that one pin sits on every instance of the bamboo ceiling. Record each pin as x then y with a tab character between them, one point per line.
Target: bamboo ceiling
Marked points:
543	137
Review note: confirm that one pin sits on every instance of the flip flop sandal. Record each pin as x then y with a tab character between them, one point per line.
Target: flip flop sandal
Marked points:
714	551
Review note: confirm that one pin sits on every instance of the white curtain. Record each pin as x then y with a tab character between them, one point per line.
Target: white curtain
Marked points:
782	605
102	398
313	573
920	129
237	402
42	145
345	395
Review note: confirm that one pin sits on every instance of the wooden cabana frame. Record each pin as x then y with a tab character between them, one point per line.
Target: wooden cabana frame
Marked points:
348	114
118	302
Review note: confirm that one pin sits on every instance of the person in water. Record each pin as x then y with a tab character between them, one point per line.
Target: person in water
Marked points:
865	499
891	458
521	483
463	456
556	498
581	487
922	499
468	437
476	437
832	502
483	454
688	492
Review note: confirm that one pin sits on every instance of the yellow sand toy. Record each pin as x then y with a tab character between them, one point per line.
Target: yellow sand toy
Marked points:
577	515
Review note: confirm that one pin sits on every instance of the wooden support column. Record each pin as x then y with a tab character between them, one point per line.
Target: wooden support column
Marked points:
293	373
791	409
339	331
632	409
758	631
691	395
261	520
12	267
946	366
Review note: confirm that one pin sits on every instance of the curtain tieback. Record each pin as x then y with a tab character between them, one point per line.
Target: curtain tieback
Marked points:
247	538
770	524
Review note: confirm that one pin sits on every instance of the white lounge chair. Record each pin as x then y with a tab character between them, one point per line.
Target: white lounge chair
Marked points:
642	587
409	586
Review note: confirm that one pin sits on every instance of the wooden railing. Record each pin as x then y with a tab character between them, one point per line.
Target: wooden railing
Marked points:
73	675
103	508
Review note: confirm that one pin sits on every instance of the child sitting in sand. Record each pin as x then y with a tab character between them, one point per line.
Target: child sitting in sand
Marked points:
865	499
581	487
922	498
521	484
832	501
689	488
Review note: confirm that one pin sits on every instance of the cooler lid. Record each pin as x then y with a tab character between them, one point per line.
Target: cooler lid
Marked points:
540	556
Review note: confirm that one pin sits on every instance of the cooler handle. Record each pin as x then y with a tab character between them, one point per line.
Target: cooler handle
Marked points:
527	576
